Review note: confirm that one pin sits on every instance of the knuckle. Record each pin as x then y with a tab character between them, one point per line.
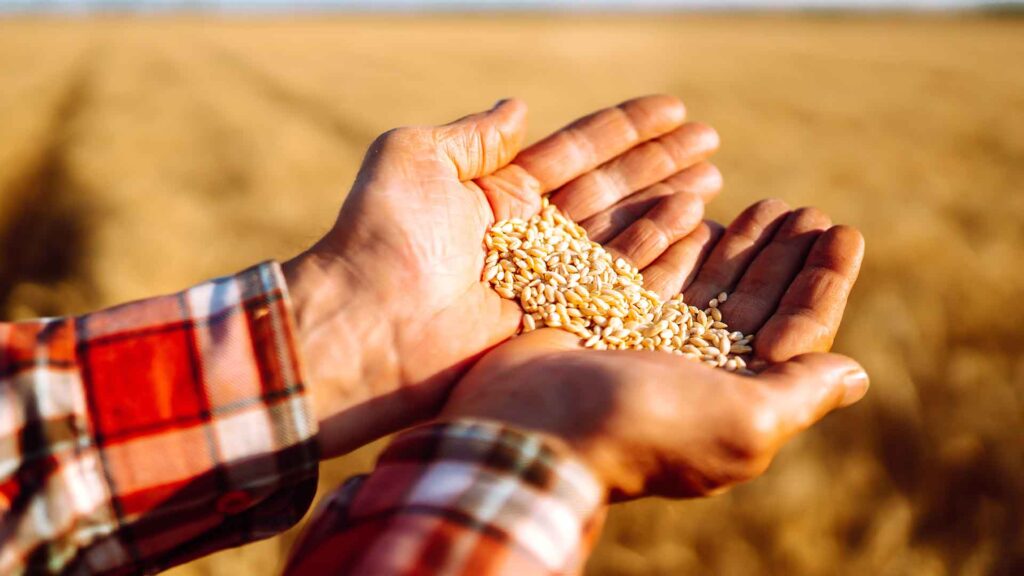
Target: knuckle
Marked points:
396	138
769	206
701	234
657	241
687	209
597	188
646	237
638	112
664	154
756	220
809	217
393	134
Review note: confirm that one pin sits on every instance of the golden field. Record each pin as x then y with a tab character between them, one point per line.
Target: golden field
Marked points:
139	156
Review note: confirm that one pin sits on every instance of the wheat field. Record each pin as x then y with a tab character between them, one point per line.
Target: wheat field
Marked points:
138	156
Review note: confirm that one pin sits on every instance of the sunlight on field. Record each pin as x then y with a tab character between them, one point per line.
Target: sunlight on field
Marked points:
139	157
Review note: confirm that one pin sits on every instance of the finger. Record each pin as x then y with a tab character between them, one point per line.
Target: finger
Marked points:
481	143
703	180
743	240
635	170
810	312
671	219
758	294
674	270
576	149
803	390
504	318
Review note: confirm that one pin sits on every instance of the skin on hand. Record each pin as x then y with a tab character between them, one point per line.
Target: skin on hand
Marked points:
651	423
788	273
390	304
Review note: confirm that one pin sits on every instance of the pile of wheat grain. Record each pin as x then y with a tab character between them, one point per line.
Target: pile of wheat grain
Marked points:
564	280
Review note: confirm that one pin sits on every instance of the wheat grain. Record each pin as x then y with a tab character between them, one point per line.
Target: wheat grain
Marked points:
562	279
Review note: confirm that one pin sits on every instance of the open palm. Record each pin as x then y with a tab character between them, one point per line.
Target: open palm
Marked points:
408	241
788	274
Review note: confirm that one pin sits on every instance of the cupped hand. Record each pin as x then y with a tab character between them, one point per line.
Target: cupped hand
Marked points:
390	304
651	423
788	274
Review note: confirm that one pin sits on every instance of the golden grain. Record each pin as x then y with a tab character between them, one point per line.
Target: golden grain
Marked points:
564	280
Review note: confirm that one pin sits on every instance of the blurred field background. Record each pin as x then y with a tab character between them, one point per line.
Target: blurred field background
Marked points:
138	156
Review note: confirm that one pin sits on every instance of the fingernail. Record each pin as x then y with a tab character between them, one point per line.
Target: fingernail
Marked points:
856	383
499	103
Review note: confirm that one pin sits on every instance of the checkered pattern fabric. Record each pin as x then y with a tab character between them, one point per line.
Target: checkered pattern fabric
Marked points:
142	436
460	498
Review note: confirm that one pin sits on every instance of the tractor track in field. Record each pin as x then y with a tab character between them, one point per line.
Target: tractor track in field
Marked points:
44	236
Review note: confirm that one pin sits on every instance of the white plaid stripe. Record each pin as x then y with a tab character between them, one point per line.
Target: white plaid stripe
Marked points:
12	416
213	297
485	503
225	346
293	421
442	483
548	525
272	278
57	394
243	434
542	524
149	314
82	480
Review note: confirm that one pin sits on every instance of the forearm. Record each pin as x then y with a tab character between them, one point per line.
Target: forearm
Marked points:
466	497
143	436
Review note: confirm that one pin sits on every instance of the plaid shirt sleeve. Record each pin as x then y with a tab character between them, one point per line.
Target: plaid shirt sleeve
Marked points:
461	498
143	436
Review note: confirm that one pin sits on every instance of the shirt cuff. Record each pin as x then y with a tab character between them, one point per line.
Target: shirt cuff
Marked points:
199	420
501	500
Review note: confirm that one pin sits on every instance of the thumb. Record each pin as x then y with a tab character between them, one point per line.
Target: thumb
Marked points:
481	143
806	388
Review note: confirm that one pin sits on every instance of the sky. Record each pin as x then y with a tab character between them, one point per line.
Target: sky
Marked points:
228	5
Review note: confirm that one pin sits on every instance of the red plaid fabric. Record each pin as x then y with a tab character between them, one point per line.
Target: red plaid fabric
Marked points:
140	437
462	498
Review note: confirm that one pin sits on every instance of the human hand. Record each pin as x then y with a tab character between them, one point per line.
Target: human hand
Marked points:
653	423
390	304
650	423
788	274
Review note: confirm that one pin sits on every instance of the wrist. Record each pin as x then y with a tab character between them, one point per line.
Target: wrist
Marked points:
536	400
346	345
530	442
595	457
